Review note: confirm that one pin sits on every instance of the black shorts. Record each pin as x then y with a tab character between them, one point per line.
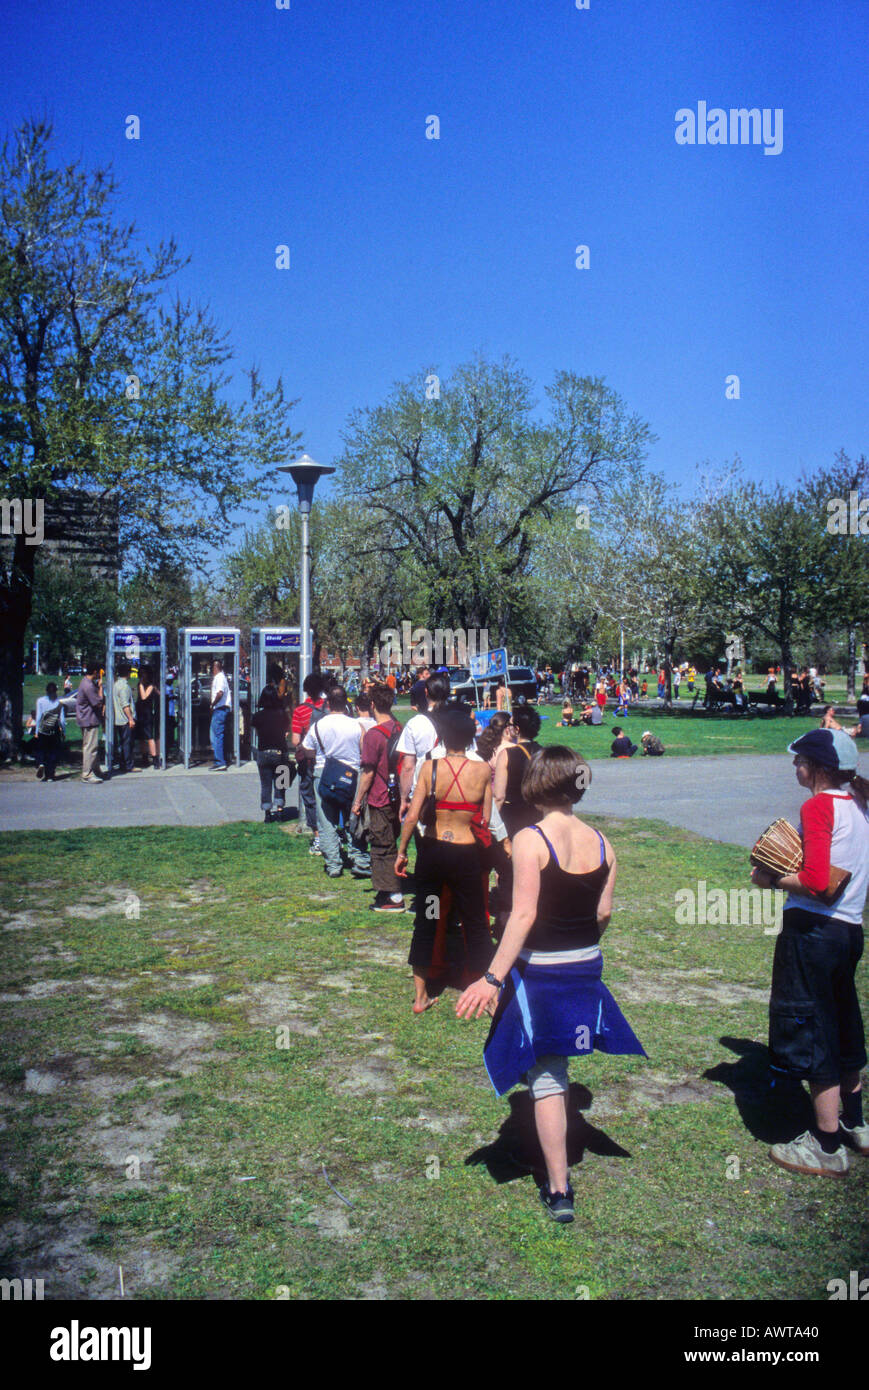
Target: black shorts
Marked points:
815	1024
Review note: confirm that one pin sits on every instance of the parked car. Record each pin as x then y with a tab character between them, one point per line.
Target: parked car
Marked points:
521	680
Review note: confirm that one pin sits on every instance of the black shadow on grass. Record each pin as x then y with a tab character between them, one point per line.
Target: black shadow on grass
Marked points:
772	1107
516	1152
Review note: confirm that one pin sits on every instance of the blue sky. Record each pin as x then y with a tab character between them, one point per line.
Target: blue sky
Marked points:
307	127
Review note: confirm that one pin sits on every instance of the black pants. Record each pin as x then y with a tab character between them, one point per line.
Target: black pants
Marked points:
48	748
815	1024
442	865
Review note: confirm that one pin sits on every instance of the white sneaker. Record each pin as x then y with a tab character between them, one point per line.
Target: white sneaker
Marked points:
805	1155
859	1137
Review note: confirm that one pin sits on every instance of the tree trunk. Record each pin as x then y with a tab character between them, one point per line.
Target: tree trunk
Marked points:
786	673
668	671
16	600
852	665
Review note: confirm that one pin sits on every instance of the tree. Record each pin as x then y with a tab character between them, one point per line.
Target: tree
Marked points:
70	611
358	583
764	558
841	591
463	480
105	385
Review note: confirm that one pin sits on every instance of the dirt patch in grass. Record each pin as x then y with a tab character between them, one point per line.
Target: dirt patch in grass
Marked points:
183	1045
437	1124
110	900
681	987
649	1090
139	1139
362	1078
22	921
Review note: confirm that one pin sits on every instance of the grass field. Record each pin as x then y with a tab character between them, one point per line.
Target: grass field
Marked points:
206	1042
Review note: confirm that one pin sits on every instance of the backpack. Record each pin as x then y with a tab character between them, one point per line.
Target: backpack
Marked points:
303	755
49	724
393	786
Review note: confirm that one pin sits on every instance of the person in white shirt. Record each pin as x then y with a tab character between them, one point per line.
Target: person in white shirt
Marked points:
418	738
49	733
221	704
337	735
364	715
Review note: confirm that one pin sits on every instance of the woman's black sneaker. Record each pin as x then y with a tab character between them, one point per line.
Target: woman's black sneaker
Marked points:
558	1204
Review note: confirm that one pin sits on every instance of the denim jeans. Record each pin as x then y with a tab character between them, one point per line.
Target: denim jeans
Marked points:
335	840
307	795
218	734
274	778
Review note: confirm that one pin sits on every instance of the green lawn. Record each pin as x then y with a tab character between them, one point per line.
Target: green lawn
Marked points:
153	1121
681	734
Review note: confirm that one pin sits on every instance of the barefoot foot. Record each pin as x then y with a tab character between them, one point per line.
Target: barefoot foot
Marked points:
421	1005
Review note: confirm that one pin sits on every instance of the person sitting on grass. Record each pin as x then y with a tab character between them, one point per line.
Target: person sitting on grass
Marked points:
621	745
859	730
652	746
544	982
591	714
566	715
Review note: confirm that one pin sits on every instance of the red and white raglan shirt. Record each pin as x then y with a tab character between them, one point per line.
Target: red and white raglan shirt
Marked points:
834	831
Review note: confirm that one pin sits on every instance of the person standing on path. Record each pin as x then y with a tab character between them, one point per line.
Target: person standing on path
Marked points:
221	706
373	791
335	738
90	707
125	719
418	737
148	718
309	711
49	723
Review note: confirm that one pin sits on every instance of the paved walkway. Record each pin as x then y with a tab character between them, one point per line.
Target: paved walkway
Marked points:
728	798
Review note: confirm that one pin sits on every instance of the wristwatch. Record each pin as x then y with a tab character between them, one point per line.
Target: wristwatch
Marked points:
493	980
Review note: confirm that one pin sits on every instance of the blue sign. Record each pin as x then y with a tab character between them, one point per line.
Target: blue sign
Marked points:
291	641
223	641
488	665
139	637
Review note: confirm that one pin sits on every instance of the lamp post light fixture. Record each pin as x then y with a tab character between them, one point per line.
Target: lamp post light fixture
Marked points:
305	473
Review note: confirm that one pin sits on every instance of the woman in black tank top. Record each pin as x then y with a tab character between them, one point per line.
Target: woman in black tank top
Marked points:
544	983
510	768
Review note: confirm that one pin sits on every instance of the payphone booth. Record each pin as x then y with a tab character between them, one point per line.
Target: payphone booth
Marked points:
197	649
138	646
270	646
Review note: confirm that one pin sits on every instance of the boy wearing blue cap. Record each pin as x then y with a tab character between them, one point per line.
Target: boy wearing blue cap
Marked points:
815	1025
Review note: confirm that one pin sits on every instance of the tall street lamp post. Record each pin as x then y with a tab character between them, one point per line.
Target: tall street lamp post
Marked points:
305	473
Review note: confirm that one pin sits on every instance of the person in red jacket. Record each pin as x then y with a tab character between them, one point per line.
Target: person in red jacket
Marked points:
815	1025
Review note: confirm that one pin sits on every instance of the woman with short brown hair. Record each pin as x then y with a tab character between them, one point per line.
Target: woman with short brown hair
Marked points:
547	969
